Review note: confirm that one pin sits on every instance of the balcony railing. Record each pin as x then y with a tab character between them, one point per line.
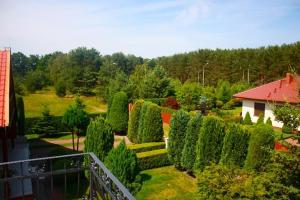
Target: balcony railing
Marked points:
52	177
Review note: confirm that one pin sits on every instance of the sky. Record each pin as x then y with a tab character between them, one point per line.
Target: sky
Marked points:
146	28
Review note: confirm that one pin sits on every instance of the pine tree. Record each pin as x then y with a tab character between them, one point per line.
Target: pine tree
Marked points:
260	119
269	121
45	124
133	122
177	133
141	121
247	120
189	150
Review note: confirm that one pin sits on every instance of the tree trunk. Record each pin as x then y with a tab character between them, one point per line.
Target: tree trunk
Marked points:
73	140
78	141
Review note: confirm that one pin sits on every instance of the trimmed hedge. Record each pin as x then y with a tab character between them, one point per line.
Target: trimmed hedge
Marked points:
118	112
153	159
152	125
133	122
141	121
235	145
261	141
247	120
138	148
210	142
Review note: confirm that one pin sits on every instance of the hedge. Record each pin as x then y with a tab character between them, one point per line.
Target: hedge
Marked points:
158	101
153	159
141	121
133	122
138	148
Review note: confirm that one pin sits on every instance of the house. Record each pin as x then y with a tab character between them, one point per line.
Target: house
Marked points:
261	100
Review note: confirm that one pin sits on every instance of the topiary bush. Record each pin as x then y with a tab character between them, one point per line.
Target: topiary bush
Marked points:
235	145
99	138
141	120
178	128
247	119
210	142
123	163
189	150
261	141
269	121
137	148
133	122
152	124
60	88
118	113
260	119
21	115
153	159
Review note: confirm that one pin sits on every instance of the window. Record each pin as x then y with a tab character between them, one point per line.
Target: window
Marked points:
259	109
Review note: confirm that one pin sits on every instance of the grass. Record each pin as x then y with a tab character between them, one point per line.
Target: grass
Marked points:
167	183
34	103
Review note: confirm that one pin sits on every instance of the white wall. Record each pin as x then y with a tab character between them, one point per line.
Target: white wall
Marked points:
248	106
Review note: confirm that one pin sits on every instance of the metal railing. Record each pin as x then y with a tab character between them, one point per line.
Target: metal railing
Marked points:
52	177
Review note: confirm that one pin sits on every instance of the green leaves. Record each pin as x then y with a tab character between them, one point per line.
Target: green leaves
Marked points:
288	114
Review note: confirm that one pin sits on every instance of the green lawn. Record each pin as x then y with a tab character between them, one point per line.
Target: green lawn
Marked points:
34	103
167	183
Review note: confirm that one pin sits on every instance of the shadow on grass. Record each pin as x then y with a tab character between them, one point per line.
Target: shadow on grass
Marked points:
145	177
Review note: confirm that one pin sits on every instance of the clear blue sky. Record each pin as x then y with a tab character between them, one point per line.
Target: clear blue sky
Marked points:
146	28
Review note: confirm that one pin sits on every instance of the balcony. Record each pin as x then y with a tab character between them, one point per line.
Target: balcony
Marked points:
52	177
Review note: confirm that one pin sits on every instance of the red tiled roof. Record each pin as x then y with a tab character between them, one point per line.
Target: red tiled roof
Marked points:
4	80
284	90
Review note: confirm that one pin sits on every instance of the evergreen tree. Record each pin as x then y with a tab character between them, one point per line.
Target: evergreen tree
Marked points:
189	150
247	120
133	122
99	138
235	146
177	133
141	121
260	119
269	121
210	142
45	124
118	113
21	115
60	88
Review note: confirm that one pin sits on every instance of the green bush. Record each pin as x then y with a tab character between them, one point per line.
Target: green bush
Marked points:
210	142
118	113
158	101
247	119
133	122
153	159
141	121
260	119
99	138
269	121
152	125
21	115
235	145
178	128
286	129
137	148
123	163
189	95
60	88
189	150
261	141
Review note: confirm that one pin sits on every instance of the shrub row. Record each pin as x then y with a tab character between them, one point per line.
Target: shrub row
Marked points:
153	159
138	148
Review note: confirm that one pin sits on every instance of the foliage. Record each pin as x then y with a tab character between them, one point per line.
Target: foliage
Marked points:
223	91
261	141
36	80
133	122
21	115
141	121
171	102
156	84
60	88
45	124
269	121
286	129
177	134
288	114
247	119
260	119
116	84
137	148
210	142
152	125
99	138
136	80
153	159
123	163
235	145
189	96
118	113
189	150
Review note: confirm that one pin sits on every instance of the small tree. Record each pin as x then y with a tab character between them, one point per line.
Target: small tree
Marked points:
133	122
189	96
260	119
60	88
223	91
99	138
210	142
152	124
289	115
123	163
269	121
141	121
189	150
235	146
76	119
261	141
45	124
247	119
178	127
21	115
118	113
